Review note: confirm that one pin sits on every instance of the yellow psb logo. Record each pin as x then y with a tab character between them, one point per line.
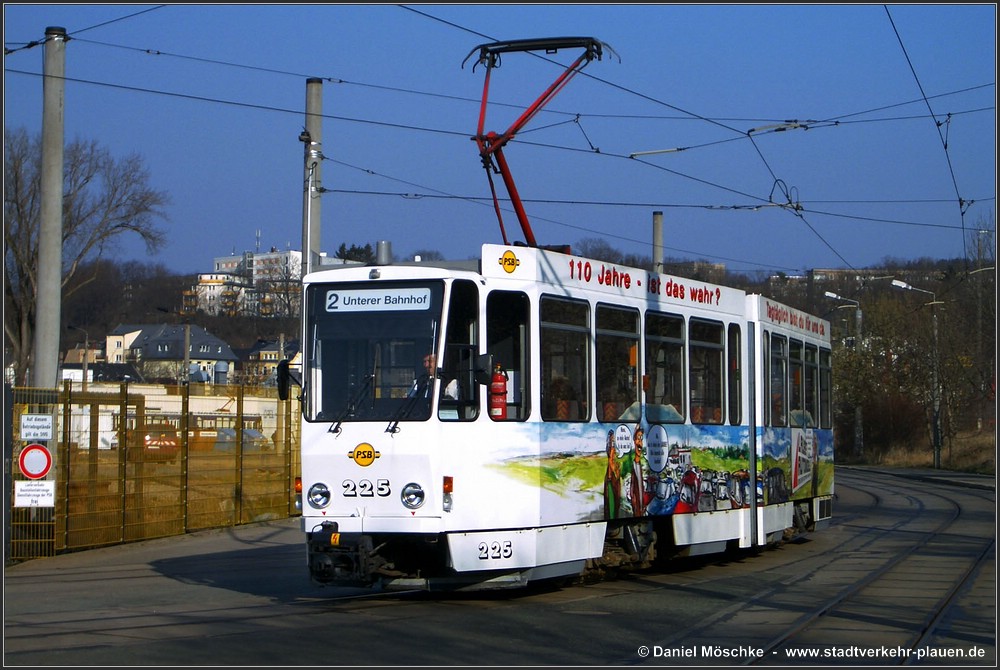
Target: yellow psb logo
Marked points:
364	454
509	261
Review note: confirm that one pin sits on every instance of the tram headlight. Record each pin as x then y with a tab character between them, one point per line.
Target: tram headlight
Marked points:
319	495
413	495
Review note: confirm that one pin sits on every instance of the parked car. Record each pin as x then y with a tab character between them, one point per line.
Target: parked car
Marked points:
160	443
253	441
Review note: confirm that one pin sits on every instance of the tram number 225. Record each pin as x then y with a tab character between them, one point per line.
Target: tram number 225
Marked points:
489	551
365	488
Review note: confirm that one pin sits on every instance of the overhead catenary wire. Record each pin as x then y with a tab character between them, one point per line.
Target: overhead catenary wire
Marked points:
463	134
795	207
944	143
762	201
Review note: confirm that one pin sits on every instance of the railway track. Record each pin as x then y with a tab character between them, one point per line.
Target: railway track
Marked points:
912	575
888	590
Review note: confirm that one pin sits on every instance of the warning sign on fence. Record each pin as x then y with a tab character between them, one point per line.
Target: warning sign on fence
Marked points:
36	426
37	493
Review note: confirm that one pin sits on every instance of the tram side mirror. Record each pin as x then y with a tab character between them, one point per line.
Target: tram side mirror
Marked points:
484	369
286	376
283	380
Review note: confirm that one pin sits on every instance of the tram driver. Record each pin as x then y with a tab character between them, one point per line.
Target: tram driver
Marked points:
423	383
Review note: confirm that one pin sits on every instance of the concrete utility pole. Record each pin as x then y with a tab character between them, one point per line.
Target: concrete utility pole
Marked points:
48	298
312	138
658	242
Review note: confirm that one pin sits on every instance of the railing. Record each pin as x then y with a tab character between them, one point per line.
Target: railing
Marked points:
139	461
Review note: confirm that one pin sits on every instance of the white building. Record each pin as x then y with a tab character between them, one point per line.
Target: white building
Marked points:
262	284
252	283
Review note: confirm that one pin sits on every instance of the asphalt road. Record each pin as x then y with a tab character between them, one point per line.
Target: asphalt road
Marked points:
241	597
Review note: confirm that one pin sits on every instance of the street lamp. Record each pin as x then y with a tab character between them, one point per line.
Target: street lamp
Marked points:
310	242
859	432
86	351
936	389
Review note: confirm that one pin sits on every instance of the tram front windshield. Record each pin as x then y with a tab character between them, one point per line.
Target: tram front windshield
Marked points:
367	350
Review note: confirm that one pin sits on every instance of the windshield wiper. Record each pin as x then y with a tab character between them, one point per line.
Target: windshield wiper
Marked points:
352	403
420	388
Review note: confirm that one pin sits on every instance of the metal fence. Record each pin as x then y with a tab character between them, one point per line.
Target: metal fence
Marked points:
132	462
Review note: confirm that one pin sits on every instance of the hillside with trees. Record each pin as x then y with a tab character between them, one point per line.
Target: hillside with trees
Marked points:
884	344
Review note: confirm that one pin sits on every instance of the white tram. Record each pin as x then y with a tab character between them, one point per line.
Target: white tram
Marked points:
578	414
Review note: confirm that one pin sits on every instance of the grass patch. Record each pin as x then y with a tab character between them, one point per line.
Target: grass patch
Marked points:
970	451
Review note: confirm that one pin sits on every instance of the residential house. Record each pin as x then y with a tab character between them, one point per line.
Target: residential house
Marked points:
159	353
260	363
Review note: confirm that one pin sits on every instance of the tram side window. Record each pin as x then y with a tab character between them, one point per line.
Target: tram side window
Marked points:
825	390
507	321
617	338
777	378
734	353
665	368
565	354
795	383
459	394
705	372
811	390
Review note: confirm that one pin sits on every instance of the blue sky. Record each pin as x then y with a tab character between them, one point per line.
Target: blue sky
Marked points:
896	107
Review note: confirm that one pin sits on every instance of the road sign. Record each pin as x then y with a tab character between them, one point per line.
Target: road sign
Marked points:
35	461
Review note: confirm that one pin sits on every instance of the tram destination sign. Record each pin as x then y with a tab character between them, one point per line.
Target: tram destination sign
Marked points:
378	300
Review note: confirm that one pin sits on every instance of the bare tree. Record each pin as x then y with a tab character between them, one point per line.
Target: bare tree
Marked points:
978	290
104	199
279	289
599	249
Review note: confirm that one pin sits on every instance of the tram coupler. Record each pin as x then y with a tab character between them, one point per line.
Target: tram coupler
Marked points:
336	558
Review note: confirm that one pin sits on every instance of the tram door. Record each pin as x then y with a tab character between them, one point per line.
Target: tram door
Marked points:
507	328
460	393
